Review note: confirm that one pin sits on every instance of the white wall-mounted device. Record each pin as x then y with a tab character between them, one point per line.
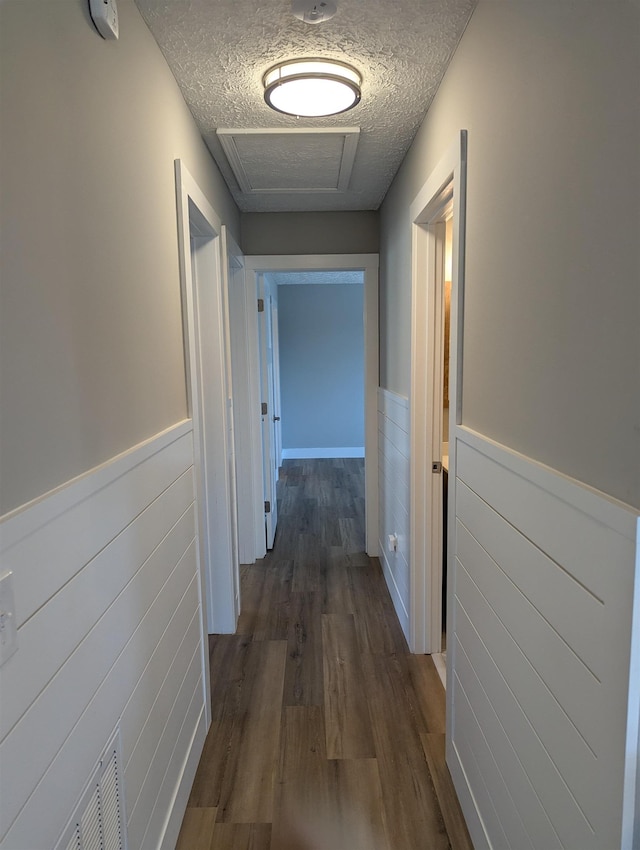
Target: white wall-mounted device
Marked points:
105	16
313	12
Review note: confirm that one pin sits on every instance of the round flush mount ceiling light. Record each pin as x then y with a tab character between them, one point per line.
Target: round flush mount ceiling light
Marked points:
312	88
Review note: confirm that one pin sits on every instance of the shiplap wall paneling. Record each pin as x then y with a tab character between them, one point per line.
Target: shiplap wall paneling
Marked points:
67	618
110	630
393	486
147	817
543	605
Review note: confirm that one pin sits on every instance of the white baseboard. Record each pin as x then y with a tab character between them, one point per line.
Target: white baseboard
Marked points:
301	454
393	480
440	662
178	806
394	590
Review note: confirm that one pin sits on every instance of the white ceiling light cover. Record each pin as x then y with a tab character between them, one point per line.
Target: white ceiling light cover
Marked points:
311	88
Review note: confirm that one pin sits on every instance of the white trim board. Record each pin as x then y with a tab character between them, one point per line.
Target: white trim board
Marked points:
206	323
247	455
440	661
631	805
349	451
21	522
393	478
68	507
445	187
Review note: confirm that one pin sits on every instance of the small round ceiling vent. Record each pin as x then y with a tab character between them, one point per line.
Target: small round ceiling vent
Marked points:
313	13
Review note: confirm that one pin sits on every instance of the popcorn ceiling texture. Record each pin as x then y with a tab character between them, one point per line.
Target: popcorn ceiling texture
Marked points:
291	161
218	51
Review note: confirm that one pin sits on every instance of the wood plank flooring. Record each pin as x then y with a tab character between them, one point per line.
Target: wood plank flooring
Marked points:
327	734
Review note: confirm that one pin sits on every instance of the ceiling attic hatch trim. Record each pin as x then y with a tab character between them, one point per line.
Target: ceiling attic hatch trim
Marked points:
291	160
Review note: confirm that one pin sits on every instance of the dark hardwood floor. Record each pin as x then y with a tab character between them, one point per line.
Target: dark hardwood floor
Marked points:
327	733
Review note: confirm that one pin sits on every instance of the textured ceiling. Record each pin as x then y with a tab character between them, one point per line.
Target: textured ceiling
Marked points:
218	51
300	160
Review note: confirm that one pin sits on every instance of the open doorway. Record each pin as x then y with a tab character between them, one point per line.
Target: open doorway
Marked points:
367	265
312	330
321	357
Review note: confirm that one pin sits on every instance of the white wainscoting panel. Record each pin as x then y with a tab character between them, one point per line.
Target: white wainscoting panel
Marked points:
393	488
110	631
540	653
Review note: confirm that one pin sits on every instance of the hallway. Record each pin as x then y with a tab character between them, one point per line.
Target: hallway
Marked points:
326	732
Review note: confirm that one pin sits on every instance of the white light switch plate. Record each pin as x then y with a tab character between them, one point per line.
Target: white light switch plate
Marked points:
8	629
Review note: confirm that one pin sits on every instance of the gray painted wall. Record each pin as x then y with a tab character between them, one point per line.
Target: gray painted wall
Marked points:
550	95
354	232
91	328
321	365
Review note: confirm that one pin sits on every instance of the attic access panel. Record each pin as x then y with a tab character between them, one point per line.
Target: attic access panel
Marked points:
291	160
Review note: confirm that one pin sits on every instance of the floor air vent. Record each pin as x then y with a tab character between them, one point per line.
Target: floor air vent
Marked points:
98	822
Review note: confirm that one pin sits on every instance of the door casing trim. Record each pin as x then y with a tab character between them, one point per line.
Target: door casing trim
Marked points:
446	183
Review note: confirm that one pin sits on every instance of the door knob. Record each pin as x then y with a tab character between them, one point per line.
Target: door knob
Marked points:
276	418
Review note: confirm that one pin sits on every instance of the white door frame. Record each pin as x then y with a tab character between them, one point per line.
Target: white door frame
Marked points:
253	412
446	183
277	402
199	230
242	320
368	264
231	260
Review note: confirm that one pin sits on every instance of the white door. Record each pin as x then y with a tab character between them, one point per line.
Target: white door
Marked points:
277	407
269	459
216	436
248	452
